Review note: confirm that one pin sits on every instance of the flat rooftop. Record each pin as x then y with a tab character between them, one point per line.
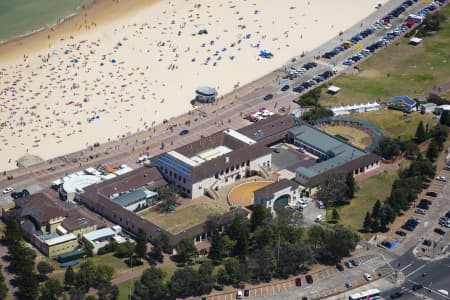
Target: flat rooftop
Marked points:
338	152
202	158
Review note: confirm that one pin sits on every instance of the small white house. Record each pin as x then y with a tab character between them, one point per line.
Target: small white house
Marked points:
415	41
356	108
427	108
439	109
333	90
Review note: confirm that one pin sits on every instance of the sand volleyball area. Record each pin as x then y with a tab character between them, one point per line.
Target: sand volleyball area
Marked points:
97	78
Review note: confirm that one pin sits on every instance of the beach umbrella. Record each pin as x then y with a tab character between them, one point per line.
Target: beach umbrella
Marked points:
102	64
97	117
75	61
113	61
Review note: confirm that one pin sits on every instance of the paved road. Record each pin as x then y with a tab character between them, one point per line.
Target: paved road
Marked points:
203	121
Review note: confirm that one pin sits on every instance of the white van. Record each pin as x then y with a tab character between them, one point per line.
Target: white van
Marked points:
367	277
239	294
319	218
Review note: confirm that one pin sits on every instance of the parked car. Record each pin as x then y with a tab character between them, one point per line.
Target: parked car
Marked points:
417	287
400	233
441	178
184	132
349	264
246	293
427	243
298	282
348	284
367	277
268	97
354	262
8	190
439	231
309	279
420	211
285	88
340	267
432	194
239	294
396	295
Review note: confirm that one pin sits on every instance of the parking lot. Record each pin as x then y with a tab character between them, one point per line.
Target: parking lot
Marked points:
356	46
428	225
328	280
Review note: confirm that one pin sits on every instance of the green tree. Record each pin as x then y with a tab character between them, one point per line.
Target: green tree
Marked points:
86	276
69	277
236	271
103	275
89	248
184	283
28	284
206	278
445	118
51	290
352	187
376	209
141	244
260	216
44	268
335	215
433	151
388	148
221	246
386	217
311	98
292	256
108	291
367	222
262	264
186	249
163	241
151	285
3	287
421	135
317	113
337	243
125	249
241	246
156	254
334	191
375	225
167	197
410	149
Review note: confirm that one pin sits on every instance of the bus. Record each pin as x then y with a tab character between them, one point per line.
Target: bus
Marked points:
367	295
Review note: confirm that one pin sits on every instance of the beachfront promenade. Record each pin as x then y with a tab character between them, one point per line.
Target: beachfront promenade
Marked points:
203	121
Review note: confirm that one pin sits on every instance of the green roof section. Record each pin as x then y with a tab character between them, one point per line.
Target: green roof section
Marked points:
336	151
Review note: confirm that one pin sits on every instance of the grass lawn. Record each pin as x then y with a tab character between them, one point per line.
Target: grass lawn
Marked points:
397	70
375	188
394	124
184	217
352	135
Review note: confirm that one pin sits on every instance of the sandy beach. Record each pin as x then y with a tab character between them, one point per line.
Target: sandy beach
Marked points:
124	67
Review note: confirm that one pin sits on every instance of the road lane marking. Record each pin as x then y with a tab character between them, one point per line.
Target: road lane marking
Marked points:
418	269
405	267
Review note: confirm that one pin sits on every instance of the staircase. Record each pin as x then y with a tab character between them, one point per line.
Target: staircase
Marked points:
211	191
264	172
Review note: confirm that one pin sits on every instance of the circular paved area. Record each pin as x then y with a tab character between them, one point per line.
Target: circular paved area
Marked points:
242	194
